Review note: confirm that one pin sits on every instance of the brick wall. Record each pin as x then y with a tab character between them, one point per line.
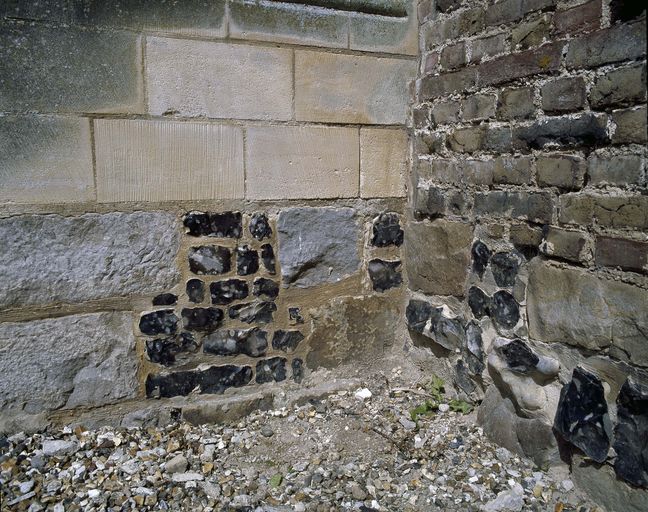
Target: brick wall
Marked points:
527	245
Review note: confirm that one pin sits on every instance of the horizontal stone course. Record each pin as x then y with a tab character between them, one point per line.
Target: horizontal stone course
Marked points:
621	86
622	211
615	170
534	206
383	162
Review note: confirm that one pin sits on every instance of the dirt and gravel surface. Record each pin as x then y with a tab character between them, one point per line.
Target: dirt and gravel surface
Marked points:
354	450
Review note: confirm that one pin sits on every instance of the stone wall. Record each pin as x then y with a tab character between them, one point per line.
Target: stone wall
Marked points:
188	190
526	246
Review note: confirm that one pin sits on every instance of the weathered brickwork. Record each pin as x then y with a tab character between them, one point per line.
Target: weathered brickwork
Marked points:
529	139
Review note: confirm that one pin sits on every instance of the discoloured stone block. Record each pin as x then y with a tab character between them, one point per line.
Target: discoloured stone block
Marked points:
624	211
383	34
202	78
47	258
351	89
305	162
69	70
45	160
90	361
618	43
383	162
164	160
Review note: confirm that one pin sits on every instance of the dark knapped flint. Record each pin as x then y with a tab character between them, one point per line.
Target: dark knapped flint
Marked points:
474	349
259	311
504	309
268	258
164	350
209	259
480	256
478	301
195	290
387	231
266	287
260	227
165	299
159	322
505	266
519	357
462	378
224	292
229	342
631	434
448	332
417	314
582	413
273	369
214	380
384	274
294	316
286	340
221	225
197	223
202	319
247	261
297	370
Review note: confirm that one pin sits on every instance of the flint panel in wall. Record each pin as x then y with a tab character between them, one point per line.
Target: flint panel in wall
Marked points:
165	160
201	78
305	162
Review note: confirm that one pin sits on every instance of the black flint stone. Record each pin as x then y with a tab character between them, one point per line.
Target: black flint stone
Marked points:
385	275
214	380
462	378
268	257
260	311
224	292
202	319
297	370
247	261
286	340
266	287
474	350
631	434
519	357
163	351
229	342
582	413
478	301
221	225
295	316
210	259
480	256
417	314
387	231
165	299
273	369
195	290
260	227
505	266
448	332
159	322
504	309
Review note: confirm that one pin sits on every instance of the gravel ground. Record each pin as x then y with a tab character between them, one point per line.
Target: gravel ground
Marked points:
349	451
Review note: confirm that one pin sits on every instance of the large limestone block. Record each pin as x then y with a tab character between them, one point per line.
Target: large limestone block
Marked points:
46	259
397	32
79	360
68	69
166	160
579	308
383	162
437	256
318	245
351	88
203	78
302	162
45	160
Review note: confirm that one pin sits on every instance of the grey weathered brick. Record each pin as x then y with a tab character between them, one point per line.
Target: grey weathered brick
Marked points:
487	47
477	172
563	171
524	235
437	86
582	18
513	10
534	206
630	126
513	170
545	59
445	112
464	23
623	253
430	143
68	69
584	130
421	117
566	244
628	211
478	106
621	86
475	138
563	94
615	44
453	56
533	33
435	201
441	170
615	169
516	103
